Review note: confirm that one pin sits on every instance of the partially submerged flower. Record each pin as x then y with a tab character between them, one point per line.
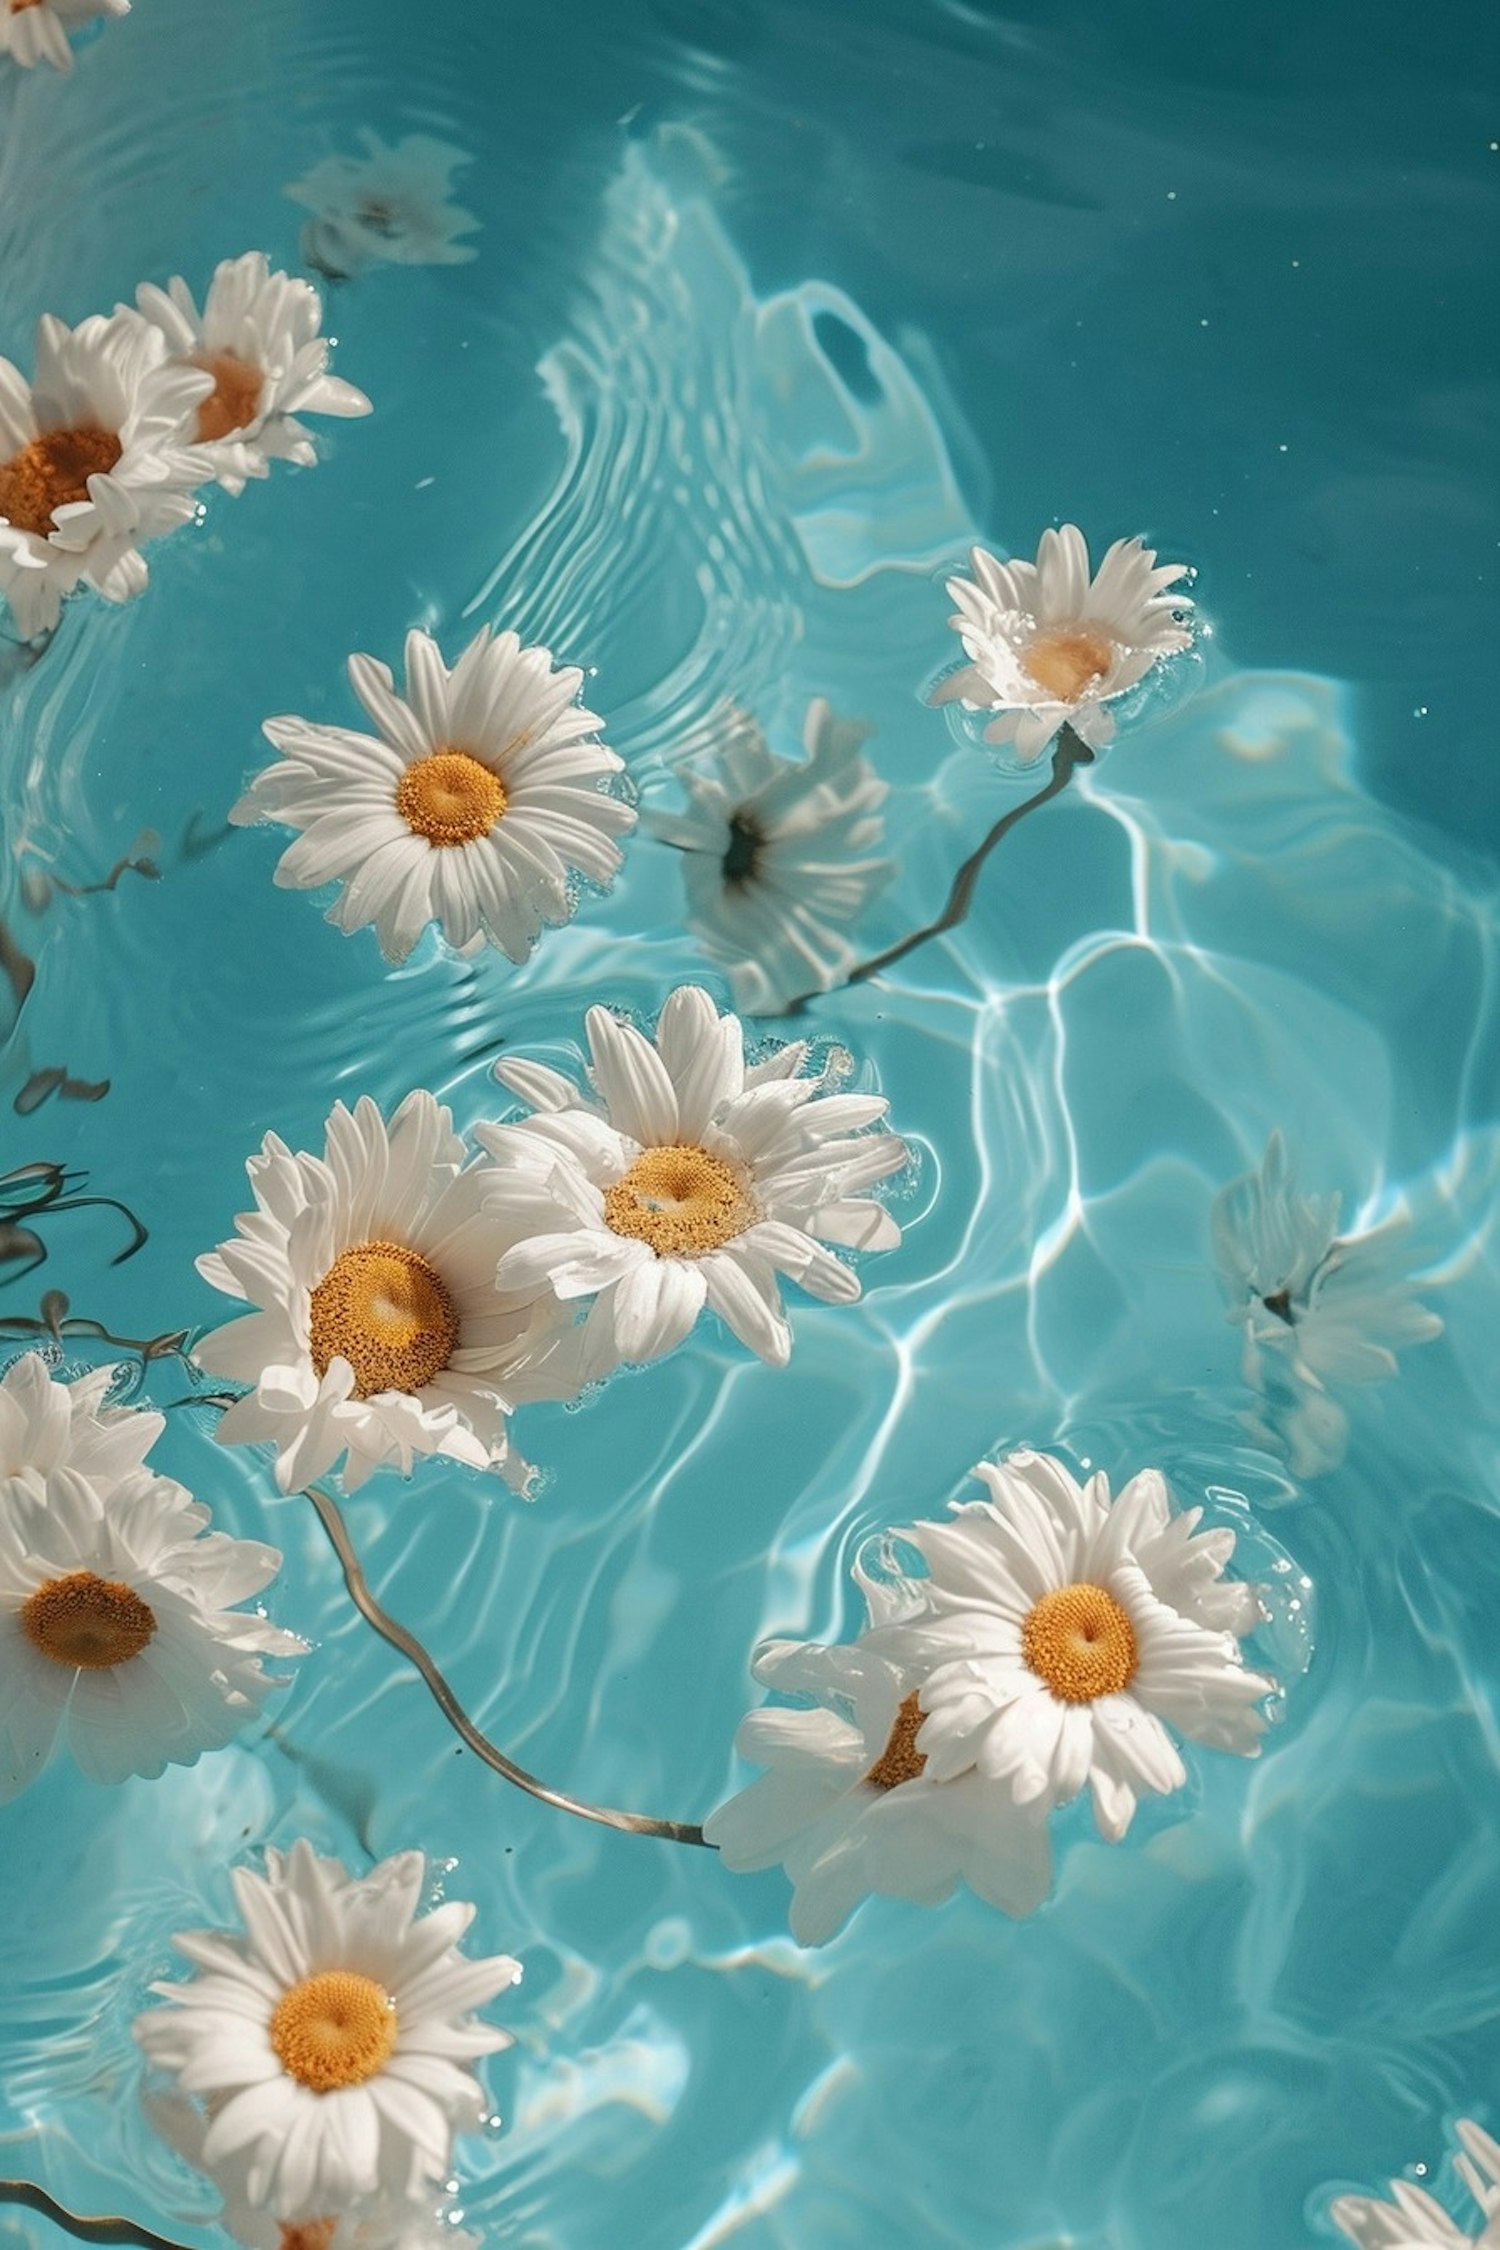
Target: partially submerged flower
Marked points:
1048	645
481	799
258	337
1415	2220
1319	1310
118	1626
92	462
379	1331
392	205
687	1178
34	31
49	1423
330	2039
782	855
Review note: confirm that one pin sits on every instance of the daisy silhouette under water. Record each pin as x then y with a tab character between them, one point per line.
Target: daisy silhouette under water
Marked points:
391	206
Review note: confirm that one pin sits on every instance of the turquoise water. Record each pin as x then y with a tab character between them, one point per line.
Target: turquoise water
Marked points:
773	311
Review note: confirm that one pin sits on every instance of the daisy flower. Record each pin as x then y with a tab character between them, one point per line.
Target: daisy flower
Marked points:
378	1330
48	1423
1063	1636
330	2040
392	205
258	337
1412	2220
1049	646
1318	1309
118	1629
691	1180
782	855
482	794
33	31
92	464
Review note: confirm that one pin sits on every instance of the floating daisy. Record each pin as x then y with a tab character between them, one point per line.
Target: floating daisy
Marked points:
91	463
782	855
1065	1636
1048	645
49	1423
118	1630
258	337
379	1332
1413	2220
692	1180
34	31
330	2040
1319	1310
393	205
482	797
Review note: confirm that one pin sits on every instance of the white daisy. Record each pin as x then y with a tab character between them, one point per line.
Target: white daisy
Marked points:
379	1330
118	1630
91	462
33	31
1063	1634
47	1423
392	205
1048	645
1413	2220
1318	1309
258	337
849	1808
330	2041
483	794
782	855
691	1181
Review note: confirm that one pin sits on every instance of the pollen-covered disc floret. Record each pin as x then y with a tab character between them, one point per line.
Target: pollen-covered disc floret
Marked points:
481	800
330	2041
687	1178
1048	645
36	31
378	1333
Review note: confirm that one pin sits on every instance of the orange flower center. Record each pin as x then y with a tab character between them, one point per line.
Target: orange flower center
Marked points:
901	1760
17	5
308	2234
87	1622
388	1312
335	2029
450	798
53	472
681	1200
234	401
1081	1642
1066	660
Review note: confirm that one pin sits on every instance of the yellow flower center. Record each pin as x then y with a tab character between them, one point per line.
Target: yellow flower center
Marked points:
681	1200
335	2029
234	401
1081	1642
308	2234
52	472
87	1622
901	1760
450	798
1067	659
386	1311
17	5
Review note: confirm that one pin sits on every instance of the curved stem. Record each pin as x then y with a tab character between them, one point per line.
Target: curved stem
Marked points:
632	1824
34	2198
1071	752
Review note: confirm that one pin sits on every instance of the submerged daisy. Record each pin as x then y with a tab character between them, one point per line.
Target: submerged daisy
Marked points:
92	463
1064	1636
1318	1309
392	205
48	1422
692	1180
258	337
1413	2220
331	2039
483	795
118	1629
1048	645
34	31
783	855
379	1331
